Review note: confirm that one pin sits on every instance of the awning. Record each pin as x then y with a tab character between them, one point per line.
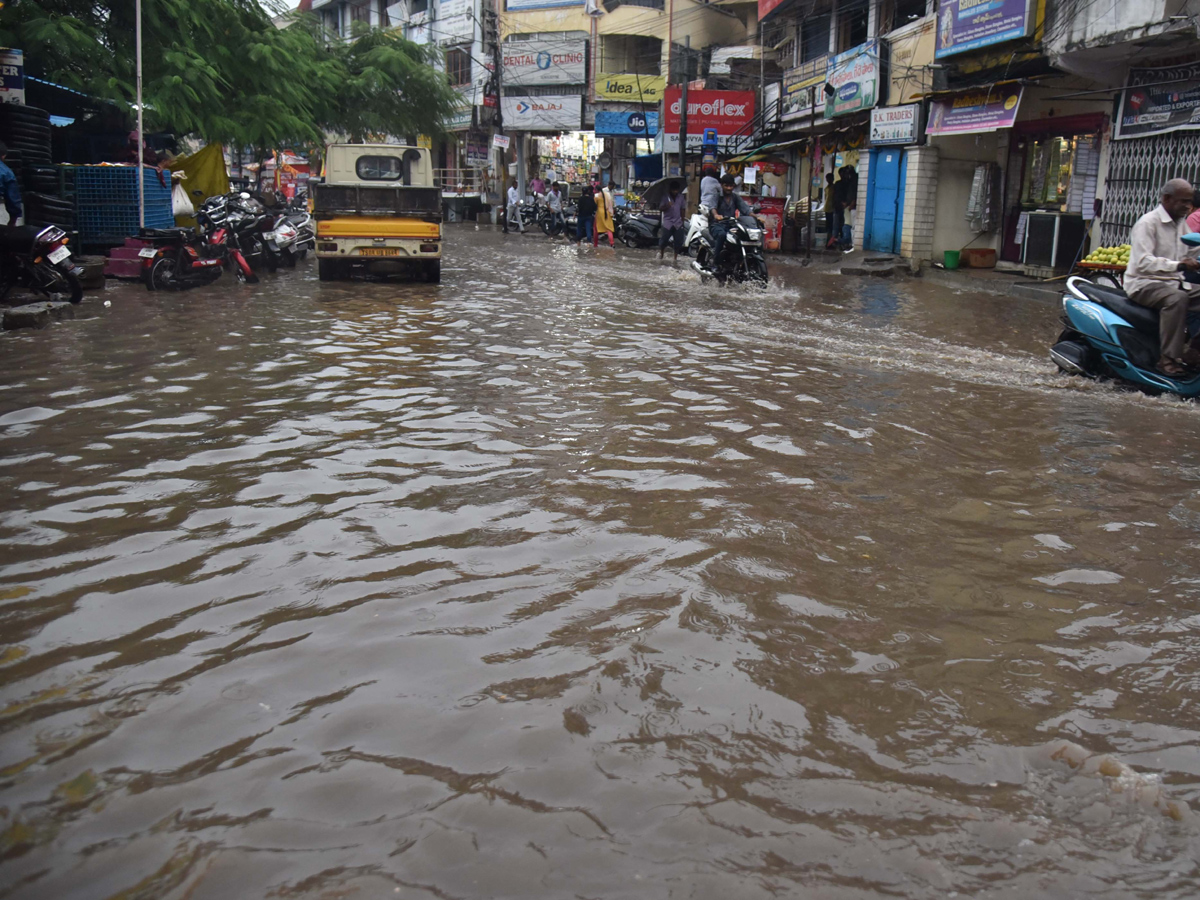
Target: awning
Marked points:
768	148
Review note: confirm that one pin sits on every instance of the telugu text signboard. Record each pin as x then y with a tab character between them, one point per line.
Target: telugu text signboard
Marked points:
975	112
554	114
630	88
539	63
1173	105
970	24
626	124
726	111
896	124
854	76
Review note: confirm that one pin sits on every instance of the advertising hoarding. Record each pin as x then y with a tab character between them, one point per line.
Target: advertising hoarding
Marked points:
516	5
975	112
970	24
554	114
630	88
539	63
1174	105
626	124
726	111
908	55
12	75
855	79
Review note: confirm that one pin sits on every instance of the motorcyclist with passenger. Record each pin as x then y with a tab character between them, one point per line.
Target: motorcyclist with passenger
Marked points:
730	206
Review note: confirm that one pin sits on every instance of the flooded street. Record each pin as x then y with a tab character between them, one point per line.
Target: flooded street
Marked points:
570	577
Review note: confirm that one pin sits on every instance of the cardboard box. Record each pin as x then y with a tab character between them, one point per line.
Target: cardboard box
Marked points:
979	258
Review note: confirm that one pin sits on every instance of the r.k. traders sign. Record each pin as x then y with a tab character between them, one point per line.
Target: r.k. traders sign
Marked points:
854	76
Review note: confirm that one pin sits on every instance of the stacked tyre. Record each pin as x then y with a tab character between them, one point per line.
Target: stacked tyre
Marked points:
26	131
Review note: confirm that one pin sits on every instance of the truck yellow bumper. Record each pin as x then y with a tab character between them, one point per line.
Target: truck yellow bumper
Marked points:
378	227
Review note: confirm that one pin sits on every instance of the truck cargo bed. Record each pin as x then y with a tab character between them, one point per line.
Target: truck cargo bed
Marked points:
353	200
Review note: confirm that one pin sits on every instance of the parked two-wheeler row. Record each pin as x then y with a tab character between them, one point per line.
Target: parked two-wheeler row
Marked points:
235	233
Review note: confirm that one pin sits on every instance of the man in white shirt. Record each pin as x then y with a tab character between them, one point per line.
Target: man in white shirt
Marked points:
514	209
558	222
1154	275
710	188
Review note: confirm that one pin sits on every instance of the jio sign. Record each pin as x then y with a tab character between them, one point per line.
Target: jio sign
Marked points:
637	122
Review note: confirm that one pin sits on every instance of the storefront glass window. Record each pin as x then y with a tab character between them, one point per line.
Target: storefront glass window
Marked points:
1048	165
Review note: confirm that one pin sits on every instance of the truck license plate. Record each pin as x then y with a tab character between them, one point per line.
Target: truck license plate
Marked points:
380	251
58	254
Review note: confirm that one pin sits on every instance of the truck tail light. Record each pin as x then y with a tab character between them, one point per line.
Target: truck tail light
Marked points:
429	248
328	248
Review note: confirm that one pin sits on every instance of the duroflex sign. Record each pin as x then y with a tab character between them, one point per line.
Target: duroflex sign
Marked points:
540	63
726	111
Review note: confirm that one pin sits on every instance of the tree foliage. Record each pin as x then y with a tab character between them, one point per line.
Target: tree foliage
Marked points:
222	70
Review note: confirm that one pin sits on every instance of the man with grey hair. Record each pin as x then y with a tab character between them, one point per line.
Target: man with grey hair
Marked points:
1154	275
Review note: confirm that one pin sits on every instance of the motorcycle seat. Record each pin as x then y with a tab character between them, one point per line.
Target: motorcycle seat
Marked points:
1116	301
17	238
170	234
708	236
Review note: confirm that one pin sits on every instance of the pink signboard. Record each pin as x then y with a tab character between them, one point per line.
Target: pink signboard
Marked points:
975	112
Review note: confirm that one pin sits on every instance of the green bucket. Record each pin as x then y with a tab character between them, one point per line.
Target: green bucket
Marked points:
950	259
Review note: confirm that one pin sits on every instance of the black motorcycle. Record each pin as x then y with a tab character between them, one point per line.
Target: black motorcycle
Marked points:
743	260
38	258
637	229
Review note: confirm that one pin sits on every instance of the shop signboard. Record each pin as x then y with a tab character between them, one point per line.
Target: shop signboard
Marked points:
455	22
854	76
975	112
500	141
630	88
1174	105
540	63
766	7
970	24
554	114
12	75
477	153
908	55
460	119
896	124
626	124
516	5
726	111
801	85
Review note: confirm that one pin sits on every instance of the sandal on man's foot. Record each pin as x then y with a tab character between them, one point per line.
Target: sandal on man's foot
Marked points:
1171	368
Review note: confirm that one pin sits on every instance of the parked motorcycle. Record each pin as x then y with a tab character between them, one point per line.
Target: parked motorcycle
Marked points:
38	258
1107	335
743	260
696	225
176	260
246	224
637	229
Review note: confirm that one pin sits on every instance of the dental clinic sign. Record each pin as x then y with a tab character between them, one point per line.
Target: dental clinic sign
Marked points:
541	63
854	76
553	114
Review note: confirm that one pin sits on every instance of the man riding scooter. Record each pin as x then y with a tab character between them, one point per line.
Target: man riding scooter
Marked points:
729	207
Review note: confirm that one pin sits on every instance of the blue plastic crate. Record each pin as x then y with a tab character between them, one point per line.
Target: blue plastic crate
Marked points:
106	202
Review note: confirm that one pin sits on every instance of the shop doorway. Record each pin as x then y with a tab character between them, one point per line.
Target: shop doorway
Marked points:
885	200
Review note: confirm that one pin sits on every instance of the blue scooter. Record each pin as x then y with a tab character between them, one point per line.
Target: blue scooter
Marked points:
1108	335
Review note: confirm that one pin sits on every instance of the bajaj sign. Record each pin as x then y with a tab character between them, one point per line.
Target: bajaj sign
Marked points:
554	114
539	63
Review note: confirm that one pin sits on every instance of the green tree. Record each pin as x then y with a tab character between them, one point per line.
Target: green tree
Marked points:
221	70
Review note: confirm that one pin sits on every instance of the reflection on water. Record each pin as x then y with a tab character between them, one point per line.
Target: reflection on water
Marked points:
570	577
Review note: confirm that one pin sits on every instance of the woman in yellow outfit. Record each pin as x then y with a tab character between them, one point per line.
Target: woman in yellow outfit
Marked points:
604	217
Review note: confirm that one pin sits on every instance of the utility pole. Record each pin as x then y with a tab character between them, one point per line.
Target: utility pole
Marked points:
683	110
498	153
812	170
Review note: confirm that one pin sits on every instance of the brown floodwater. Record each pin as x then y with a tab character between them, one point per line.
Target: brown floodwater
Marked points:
570	577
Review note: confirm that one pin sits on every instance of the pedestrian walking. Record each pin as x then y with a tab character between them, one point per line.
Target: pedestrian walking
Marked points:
604	217
672	208
513	214
585	226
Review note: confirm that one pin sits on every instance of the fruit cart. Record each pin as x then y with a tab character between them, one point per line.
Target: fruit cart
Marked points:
1106	265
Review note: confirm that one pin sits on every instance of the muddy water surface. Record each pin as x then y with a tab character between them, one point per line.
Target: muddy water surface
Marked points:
571	578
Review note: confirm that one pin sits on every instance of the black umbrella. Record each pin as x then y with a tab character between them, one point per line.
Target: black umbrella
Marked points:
654	195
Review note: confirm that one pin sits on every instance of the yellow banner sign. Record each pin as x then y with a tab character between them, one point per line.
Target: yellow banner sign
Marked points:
631	88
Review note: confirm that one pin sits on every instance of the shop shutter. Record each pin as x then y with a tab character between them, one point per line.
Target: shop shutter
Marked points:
1137	168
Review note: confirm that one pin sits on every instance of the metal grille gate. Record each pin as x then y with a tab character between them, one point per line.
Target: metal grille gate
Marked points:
1137	168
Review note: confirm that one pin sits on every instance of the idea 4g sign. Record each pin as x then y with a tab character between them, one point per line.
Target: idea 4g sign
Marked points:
726	111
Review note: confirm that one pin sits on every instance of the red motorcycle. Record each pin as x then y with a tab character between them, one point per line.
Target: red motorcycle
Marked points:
178	259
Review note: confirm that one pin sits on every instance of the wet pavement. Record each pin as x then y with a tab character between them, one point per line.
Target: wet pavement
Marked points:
570	577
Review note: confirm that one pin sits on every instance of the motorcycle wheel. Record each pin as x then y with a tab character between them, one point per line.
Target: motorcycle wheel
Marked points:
758	272
241	269
624	237
288	258
53	282
162	275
